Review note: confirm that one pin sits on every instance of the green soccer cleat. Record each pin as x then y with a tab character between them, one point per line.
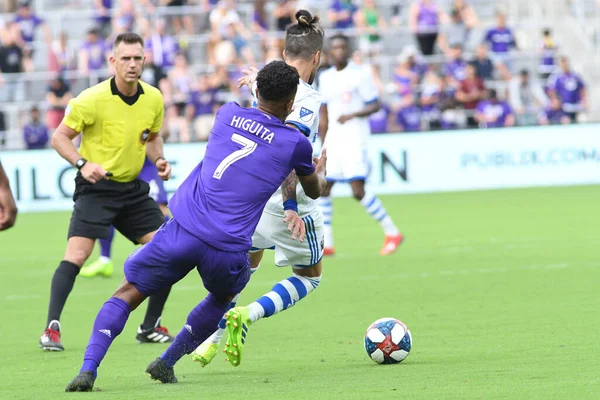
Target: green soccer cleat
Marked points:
205	353
98	267
237	321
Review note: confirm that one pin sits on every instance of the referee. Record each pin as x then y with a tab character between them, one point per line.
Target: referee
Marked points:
119	120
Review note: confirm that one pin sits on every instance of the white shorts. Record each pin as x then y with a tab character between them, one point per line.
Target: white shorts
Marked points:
271	233
347	163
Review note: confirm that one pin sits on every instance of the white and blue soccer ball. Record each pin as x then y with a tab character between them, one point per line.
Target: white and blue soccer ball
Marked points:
388	341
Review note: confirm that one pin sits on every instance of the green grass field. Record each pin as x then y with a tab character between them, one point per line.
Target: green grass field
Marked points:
499	288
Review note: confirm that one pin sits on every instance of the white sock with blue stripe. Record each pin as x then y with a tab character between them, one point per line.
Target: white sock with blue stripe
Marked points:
283	296
376	210
327	209
218	335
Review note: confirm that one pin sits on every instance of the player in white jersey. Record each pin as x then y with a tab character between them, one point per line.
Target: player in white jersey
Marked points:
288	209
349	97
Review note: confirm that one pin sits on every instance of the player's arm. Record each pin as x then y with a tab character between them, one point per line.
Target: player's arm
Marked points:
154	146
8	206
323	122
369	93
311	176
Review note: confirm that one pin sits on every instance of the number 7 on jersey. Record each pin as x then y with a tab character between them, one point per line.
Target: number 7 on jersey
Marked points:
249	147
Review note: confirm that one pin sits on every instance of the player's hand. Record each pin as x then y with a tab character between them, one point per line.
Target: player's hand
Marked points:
8	208
93	172
321	163
295	224
344	118
249	77
164	169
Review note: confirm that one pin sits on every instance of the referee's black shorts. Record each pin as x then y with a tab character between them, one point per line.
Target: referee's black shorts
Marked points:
126	206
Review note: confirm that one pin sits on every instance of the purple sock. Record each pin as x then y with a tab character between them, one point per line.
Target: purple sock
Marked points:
201	323
105	244
109	323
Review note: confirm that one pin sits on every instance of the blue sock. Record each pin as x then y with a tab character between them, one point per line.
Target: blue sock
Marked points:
105	244
109	323
377	211
201	322
283	296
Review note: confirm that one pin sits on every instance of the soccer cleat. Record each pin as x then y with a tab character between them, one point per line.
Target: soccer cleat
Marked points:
83	382
159	371
50	340
98	267
391	244
205	353
328	251
237	322
157	334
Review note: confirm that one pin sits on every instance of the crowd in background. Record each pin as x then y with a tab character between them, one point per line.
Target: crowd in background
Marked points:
460	92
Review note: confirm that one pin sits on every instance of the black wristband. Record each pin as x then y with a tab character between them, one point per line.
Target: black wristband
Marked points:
159	158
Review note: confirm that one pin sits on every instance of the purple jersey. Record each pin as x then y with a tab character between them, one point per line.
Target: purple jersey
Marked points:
500	40
342	5
499	111
547	60
427	19
569	88
409	118
457	69
248	156
379	120
203	102
27	26
107	4
554	116
164	49
36	136
96	54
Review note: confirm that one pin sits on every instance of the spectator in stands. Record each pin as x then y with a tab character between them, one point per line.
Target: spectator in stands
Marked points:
501	41
467	13
371	24
455	32
273	51
527	98
424	21
154	75
341	14
284	13
553	114
126	16
483	64
226	25
102	16
180	21
62	56
379	120
569	88
260	24
58	95
493	112
202	108
431	95
11	63
408	115
93	54
547	53
164	47
35	133
28	22
181	81
455	68
415	63
470	92
404	78
451	116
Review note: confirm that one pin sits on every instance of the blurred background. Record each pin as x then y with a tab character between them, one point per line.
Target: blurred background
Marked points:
439	64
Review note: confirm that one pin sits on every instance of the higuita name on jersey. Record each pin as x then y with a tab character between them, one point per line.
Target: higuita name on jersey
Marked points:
252	127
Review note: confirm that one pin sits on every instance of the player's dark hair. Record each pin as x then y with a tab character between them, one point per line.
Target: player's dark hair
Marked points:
339	36
277	81
129	38
304	39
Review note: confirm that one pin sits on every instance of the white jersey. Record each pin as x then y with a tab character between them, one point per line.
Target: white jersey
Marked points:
305	116
345	92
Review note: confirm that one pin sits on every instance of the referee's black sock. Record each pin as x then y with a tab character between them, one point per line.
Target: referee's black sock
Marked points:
156	304
62	284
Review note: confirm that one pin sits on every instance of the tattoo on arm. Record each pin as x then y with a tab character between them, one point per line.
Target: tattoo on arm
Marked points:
288	187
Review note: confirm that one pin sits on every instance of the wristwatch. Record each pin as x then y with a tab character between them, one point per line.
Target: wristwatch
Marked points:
80	163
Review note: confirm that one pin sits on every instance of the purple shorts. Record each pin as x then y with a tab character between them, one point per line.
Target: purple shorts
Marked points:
174	252
149	174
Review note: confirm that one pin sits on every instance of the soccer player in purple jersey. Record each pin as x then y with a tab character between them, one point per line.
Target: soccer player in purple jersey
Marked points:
215	211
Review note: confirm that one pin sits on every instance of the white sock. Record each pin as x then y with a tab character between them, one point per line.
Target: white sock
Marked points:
283	296
376	210
104	259
327	209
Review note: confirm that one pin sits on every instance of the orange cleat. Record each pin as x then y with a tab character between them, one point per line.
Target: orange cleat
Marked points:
391	244
328	251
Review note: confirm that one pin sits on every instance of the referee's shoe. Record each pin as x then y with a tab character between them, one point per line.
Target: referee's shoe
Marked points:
156	334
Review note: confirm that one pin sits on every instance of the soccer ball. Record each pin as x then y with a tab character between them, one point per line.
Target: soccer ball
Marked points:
388	341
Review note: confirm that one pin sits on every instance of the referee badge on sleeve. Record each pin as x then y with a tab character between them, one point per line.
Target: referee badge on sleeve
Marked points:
145	136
